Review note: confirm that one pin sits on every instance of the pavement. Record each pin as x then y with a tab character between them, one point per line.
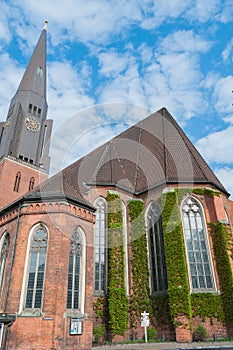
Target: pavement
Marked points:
219	345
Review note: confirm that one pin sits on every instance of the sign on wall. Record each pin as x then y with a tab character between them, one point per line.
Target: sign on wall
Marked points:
76	326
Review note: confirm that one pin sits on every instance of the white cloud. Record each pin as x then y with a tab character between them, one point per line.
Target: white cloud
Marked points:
5	12
228	52
168	79
67	91
204	11
225	175
184	41
99	21
10	76
112	63
93	20
158	11
216	147
223	95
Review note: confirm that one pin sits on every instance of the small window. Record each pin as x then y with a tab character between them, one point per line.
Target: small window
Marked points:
39	112
30	108
34	110
5	242
17	182
31	184
20	157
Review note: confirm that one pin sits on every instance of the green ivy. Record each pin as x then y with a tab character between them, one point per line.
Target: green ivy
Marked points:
206	191
161	310
220	236
178	289
99	308
207	305
117	300
140	297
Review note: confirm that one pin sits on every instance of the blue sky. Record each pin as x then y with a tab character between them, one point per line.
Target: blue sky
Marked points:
112	63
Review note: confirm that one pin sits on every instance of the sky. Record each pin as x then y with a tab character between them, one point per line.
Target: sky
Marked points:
112	63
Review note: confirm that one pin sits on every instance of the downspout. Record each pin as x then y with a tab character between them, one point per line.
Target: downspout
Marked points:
12	258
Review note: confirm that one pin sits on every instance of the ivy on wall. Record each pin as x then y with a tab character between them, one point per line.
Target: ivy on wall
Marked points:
221	237
140	296
207	305
117	300
177	275
178	301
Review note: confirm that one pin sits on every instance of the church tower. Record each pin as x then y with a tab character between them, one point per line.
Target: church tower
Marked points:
25	135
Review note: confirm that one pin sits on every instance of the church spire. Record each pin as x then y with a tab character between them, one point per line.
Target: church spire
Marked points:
34	78
26	130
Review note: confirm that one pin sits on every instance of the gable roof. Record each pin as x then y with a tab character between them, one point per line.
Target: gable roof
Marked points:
152	153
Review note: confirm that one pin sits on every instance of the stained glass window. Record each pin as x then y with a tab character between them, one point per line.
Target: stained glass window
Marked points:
196	241
74	271
35	283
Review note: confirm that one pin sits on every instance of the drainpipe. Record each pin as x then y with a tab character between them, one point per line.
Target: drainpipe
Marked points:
12	258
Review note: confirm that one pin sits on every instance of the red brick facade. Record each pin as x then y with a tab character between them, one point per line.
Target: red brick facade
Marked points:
9	168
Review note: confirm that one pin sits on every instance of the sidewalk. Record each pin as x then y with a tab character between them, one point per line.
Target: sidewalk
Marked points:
223	345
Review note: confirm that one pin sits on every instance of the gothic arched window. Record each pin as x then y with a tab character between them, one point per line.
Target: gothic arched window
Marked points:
31	183
100	245
17	181
74	270
197	246
37	259
4	246
156	249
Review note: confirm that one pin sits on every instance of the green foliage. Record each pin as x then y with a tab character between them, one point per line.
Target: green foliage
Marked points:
221	236
206	191
200	333
117	300
151	333
140	299
207	305
178	289
99	333
161	310
99	330
98	308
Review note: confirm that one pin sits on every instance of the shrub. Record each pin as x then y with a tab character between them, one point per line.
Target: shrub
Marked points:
151	333
99	333
200	334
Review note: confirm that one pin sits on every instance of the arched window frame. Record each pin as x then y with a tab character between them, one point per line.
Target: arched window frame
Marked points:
153	214
78	246
4	248
22	306
100	246
17	181
191	204
31	183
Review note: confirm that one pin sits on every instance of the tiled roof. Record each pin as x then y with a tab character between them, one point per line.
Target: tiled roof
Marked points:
151	153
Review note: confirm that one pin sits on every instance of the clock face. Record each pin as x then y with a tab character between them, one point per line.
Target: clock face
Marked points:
32	124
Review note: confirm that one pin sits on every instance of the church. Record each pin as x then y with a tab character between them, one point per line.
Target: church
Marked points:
139	224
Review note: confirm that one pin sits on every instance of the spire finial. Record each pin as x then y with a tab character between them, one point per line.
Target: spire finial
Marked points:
46	24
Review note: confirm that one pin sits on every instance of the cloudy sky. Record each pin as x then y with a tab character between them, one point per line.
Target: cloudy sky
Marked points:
111	63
